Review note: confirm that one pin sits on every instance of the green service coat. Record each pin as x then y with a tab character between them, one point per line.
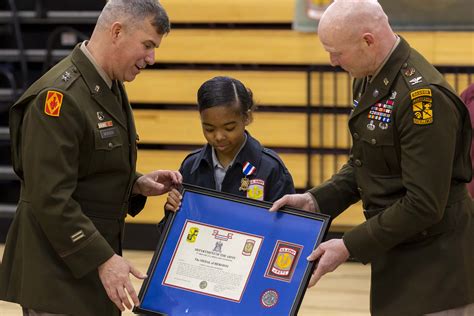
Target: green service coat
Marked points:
77	169
409	164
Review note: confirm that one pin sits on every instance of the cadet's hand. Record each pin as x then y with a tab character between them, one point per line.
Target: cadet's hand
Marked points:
157	182
303	201
331	254
173	202
113	274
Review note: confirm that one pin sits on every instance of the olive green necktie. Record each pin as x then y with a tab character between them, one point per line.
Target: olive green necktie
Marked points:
116	91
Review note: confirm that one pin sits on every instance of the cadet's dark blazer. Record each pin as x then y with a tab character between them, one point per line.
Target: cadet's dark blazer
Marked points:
77	170
409	164
197	169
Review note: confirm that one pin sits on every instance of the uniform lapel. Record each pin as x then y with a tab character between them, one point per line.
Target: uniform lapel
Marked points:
381	85
99	90
373	93
109	102
132	133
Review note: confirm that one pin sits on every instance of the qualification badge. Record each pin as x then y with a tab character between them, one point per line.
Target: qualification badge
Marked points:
247	170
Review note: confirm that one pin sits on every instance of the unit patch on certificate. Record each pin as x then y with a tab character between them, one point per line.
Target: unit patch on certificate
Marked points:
256	189
192	234
284	260
248	248
422	103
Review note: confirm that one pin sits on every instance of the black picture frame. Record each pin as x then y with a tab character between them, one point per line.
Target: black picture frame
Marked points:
272	276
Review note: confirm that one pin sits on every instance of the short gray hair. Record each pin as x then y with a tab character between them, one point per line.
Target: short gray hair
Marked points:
134	12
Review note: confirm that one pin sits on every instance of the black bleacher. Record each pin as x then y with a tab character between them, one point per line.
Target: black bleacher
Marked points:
35	35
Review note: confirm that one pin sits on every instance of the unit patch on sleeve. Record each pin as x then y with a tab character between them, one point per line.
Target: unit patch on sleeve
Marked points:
53	102
422	103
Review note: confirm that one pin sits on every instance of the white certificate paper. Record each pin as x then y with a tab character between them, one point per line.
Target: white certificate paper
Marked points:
213	261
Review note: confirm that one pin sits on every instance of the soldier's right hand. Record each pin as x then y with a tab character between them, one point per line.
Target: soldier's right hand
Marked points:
173	202
114	275
303	201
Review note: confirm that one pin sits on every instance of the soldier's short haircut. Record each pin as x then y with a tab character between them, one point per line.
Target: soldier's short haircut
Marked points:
134	12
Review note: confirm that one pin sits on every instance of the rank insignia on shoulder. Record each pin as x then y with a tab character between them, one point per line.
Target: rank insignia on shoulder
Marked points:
422	103
53	102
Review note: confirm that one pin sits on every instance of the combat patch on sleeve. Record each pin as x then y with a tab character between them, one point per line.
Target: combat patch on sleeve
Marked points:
422	103
53	102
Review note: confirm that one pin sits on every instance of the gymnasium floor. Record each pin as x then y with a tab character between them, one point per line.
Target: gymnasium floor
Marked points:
344	292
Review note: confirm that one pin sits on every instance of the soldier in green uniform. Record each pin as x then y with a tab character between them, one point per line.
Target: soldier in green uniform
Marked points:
409	165
74	150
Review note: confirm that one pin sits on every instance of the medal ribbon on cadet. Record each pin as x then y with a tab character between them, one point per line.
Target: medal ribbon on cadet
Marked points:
248	169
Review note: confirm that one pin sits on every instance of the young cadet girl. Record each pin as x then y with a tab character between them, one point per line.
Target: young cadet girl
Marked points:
232	161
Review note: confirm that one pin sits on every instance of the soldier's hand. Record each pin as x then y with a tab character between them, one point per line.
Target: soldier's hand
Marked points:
303	201
331	254
173	202
114	275
157	182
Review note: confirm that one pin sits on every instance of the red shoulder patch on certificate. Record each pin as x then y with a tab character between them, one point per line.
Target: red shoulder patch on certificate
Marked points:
284	260
52	105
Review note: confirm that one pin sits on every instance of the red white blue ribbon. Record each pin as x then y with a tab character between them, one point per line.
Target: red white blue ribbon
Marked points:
248	169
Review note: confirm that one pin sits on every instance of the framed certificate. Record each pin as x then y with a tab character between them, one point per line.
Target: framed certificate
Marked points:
222	254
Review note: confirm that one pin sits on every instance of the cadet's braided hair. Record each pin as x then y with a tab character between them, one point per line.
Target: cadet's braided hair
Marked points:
225	91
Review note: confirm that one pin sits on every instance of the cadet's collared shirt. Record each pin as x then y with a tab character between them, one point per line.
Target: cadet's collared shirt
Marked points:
270	180
219	170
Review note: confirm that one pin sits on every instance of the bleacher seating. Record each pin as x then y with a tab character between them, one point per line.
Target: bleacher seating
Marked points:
303	101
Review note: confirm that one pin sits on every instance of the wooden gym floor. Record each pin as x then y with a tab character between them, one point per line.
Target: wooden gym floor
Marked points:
344	292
